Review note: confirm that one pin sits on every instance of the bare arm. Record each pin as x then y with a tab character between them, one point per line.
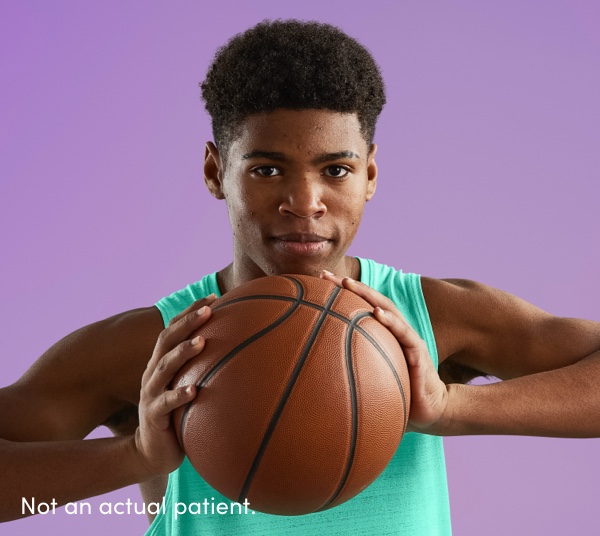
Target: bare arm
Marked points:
81	382
65	471
551	364
499	334
78	384
560	403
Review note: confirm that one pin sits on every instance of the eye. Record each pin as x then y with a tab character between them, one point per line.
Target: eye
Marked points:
267	171
337	172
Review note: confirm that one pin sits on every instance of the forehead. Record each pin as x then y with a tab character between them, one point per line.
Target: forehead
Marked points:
306	131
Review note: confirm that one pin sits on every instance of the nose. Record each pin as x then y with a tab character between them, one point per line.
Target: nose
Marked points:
302	198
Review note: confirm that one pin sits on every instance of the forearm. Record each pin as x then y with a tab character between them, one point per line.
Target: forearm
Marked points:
560	403
65	471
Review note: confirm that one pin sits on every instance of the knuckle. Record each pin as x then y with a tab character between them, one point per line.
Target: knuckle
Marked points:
162	364
145	398
184	348
179	394
165	400
422	345
145	378
162	337
175	397
403	327
196	312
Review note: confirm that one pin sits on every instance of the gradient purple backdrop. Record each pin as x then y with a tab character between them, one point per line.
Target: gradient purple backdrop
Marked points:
489	169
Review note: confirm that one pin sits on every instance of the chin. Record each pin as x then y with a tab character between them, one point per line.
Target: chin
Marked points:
300	268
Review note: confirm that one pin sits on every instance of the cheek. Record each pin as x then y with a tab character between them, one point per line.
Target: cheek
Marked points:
352	203
256	203
238	200
244	214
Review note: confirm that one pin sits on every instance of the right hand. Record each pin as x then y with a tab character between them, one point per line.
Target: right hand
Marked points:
155	437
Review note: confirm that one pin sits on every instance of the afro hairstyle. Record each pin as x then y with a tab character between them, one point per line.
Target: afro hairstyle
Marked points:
295	65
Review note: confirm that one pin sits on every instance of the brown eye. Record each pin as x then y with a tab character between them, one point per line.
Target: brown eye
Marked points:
337	172
267	171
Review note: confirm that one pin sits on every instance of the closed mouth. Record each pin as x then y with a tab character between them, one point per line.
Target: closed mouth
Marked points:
301	237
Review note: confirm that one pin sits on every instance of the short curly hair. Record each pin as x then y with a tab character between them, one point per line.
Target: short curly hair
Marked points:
295	65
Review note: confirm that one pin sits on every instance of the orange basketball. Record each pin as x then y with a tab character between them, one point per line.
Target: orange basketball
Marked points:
303	396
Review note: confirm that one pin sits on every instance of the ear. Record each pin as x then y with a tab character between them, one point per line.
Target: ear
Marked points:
371	172
213	170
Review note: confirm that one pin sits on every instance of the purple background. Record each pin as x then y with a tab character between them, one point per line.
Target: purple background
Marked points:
489	170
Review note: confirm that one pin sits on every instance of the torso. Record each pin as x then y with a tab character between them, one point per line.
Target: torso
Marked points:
125	421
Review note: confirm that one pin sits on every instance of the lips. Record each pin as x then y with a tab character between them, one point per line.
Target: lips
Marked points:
301	243
301	237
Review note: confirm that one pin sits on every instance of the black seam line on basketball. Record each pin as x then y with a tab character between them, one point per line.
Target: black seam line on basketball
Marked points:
343	319
296	302
353	405
284	298
387	360
285	396
336	315
254	297
201	383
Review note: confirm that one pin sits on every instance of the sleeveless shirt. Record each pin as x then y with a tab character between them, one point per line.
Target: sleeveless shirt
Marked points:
410	497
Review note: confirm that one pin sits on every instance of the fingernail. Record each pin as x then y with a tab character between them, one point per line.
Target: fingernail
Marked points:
189	389
212	296
327	272
196	340
201	311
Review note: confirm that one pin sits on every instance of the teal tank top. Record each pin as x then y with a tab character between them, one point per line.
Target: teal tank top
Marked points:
410	497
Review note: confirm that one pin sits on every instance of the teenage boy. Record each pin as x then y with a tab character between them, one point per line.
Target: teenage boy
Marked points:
294	107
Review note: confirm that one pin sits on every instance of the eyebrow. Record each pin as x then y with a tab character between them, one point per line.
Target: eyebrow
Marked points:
319	159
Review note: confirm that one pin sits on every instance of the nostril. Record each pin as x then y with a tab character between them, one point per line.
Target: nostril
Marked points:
306	211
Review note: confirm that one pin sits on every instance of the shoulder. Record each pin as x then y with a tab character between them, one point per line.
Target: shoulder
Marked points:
481	330
462	306
475	323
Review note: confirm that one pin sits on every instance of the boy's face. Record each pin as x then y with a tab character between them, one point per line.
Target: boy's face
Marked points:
295	184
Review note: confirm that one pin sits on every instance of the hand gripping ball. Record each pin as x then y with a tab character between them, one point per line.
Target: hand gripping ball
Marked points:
303	396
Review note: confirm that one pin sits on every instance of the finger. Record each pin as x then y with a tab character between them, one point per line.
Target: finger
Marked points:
172	399
427	389
328	276
183	328
170	364
364	291
207	300
370	295
384	309
408	338
175	334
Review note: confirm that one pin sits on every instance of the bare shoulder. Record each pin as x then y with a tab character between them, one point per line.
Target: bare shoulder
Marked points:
462	311
86	379
492	332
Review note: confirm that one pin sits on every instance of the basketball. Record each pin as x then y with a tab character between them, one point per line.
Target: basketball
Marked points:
303	396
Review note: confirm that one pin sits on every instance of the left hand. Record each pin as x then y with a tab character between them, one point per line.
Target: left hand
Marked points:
429	395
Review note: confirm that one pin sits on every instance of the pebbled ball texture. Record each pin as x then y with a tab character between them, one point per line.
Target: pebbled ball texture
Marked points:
303	396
